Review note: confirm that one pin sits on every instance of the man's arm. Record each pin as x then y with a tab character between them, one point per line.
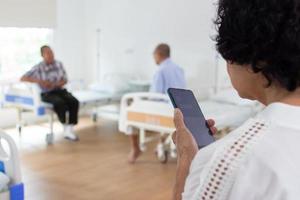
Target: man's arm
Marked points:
64	77
30	79
61	83
44	84
31	76
158	83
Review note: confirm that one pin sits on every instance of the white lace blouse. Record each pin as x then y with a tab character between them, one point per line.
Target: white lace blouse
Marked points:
260	160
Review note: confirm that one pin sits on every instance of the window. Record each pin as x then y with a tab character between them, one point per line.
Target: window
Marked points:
20	49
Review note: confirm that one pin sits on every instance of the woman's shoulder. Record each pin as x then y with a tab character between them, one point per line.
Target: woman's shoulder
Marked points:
217	162
240	136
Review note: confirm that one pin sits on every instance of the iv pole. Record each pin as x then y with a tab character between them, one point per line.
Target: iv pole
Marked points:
98	64
216	83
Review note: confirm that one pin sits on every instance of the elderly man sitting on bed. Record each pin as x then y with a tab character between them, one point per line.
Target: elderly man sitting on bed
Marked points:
51	76
168	75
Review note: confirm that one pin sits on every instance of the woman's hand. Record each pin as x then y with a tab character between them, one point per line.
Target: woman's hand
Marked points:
186	151
183	138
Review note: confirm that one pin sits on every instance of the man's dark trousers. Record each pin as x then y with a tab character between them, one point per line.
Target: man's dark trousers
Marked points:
63	102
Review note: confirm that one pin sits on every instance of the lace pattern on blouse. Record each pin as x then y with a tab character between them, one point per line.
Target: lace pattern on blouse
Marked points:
222	173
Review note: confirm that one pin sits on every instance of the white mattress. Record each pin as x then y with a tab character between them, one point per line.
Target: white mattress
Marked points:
152	107
90	96
225	115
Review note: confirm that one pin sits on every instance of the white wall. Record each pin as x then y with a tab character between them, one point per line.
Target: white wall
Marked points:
69	45
28	13
69	36
130	29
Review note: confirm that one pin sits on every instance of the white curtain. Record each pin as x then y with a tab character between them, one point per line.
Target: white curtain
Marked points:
28	13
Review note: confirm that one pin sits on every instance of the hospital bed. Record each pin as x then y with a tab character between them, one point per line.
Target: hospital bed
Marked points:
153	112
11	186
26	97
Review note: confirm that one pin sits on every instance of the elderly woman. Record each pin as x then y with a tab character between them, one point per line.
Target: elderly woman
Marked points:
260	40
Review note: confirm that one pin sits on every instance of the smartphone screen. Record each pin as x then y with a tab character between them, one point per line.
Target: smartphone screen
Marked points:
193	116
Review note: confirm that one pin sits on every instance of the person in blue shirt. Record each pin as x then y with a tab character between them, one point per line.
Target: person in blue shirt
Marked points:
168	75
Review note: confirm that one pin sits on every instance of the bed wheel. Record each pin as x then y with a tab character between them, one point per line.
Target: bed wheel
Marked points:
173	154
95	117
162	153
50	138
164	157
19	127
143	147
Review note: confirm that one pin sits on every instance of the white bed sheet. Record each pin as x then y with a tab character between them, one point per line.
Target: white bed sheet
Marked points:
225	115
90	96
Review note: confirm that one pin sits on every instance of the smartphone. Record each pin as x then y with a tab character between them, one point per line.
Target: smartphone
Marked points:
193	117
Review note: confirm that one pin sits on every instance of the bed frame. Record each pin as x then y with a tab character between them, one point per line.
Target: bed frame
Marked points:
26	97
148	122
10	165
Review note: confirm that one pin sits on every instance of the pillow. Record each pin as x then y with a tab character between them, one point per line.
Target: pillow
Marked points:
231	96
112	84
107	88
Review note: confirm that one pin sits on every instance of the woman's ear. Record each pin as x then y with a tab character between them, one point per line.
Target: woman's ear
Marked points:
249	69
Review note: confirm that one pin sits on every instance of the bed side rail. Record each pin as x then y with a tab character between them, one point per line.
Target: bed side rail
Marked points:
10	165
9	160
129	98
24	95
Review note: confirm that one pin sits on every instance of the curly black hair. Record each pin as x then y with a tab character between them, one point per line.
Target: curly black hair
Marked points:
264	34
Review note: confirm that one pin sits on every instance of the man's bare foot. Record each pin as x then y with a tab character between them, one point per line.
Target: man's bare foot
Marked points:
133	155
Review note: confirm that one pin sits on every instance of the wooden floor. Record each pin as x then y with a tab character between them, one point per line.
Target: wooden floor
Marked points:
94	168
